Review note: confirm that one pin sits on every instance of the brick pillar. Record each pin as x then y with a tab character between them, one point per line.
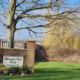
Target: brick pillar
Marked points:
30	55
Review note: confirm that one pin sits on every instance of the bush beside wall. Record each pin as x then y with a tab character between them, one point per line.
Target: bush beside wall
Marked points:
58	54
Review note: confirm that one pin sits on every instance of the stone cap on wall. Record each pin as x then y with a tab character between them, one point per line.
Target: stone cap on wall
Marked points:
13	55
30	41
14	49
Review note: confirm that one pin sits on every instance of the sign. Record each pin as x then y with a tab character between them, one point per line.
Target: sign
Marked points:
13	61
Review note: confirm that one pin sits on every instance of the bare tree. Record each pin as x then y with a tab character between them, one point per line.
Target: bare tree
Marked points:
15	10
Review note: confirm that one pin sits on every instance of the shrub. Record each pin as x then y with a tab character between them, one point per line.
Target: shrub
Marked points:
64	54
17	70
24	69
3	69
13	70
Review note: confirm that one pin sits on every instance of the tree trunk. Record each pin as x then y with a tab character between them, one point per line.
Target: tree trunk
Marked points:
11	23
10	38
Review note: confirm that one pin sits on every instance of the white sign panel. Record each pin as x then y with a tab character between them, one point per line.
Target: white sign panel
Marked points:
13	61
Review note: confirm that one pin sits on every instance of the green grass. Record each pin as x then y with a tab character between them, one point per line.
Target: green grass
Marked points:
51	71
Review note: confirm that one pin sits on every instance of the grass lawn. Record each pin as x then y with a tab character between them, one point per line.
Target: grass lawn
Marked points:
51	71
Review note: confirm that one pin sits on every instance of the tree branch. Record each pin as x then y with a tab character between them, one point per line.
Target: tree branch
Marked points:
35	26
35	8
3	23
20	3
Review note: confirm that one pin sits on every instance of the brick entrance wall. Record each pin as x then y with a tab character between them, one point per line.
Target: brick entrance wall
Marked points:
28	54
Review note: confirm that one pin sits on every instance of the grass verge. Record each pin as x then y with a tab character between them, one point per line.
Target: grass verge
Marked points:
51	71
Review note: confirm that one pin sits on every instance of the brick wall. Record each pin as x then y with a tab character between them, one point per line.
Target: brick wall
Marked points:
13	52
28	54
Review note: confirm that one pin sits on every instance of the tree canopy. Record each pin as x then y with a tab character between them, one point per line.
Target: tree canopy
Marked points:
63	32
14	11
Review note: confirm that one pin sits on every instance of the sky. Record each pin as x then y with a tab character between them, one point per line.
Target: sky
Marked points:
24	34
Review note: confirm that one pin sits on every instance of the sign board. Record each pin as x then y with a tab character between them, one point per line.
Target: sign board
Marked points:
13	61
